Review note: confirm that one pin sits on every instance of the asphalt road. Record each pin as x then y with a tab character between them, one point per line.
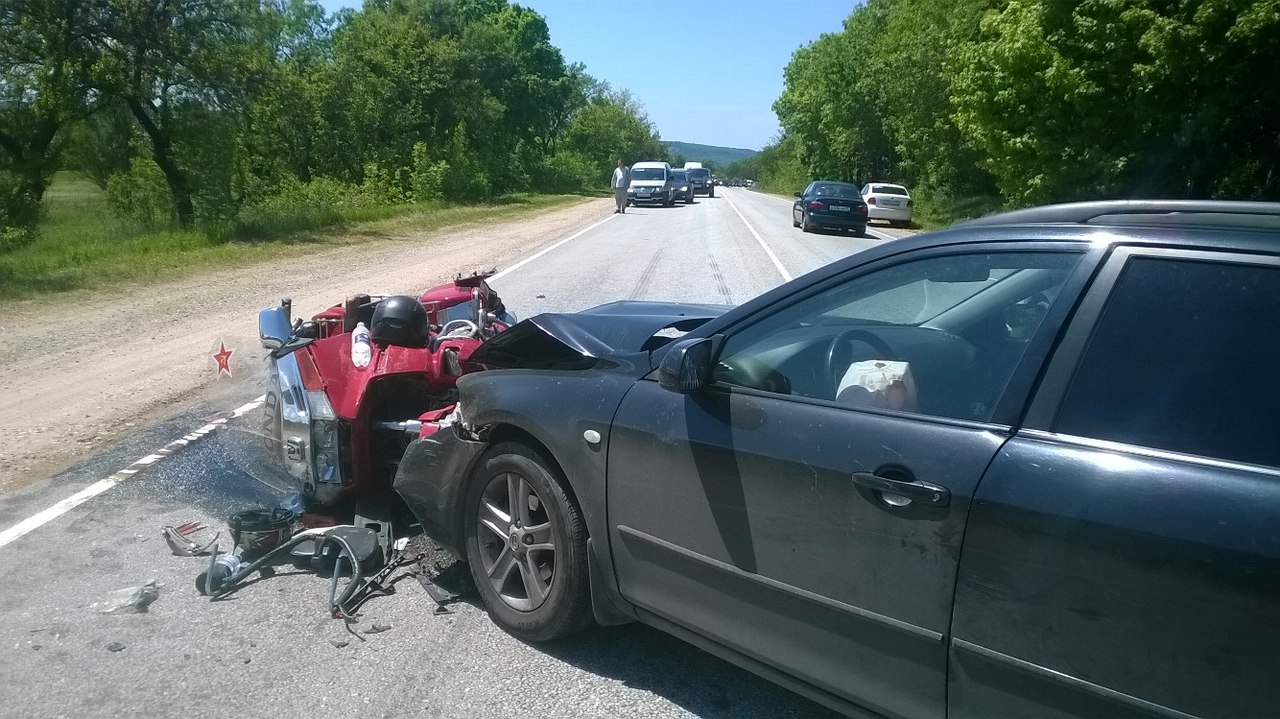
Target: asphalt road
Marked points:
271	650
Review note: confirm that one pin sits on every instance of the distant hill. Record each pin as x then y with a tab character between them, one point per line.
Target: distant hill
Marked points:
719	157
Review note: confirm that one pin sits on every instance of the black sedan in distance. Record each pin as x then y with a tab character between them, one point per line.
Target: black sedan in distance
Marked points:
830	205
1021	467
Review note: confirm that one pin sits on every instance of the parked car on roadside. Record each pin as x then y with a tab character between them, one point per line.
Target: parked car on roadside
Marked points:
651	182
888	202
829	205
1026	466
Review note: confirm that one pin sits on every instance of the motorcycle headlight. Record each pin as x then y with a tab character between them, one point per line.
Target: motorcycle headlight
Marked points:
325	449
326	435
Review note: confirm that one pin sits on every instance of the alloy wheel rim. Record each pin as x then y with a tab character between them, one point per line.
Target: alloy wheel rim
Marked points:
517	544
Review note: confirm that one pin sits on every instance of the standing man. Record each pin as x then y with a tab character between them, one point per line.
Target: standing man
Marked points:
621	179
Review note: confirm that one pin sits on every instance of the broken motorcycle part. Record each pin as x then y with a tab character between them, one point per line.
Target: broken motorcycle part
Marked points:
179	539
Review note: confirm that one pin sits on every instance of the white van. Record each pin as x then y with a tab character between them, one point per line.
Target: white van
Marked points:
651	182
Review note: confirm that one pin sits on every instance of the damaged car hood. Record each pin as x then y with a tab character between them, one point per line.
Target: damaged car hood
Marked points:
617	331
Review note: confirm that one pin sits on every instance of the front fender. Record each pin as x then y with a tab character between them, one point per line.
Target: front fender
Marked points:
557	410
432	480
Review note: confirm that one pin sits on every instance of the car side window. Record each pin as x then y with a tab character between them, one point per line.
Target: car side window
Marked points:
939	336
1185	357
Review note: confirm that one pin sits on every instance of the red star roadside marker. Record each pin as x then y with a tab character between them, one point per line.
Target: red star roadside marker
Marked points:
223	359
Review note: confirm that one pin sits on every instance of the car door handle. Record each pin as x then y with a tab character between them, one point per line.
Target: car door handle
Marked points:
903	493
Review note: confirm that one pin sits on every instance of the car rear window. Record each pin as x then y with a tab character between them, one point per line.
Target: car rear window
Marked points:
842	191
889	190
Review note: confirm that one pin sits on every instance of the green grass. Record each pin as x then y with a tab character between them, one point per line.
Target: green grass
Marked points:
938	211
82	245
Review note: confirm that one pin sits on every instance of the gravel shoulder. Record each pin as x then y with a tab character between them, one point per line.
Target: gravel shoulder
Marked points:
81	370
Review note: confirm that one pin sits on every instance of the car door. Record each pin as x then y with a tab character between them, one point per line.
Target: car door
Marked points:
1123	552
815	535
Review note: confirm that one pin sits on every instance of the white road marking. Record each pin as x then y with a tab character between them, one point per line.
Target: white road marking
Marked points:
870	231
60	508
57	510
776	262
544	251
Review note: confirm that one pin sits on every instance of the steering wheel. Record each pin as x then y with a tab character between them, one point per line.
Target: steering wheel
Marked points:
840	356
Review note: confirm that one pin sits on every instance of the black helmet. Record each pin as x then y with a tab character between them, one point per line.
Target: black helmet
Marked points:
400	320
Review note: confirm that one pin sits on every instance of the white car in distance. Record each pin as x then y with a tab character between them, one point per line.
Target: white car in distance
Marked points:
888	202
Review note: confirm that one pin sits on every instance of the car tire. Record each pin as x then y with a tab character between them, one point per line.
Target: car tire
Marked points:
712	193
804	223
859	232
564	605
794	223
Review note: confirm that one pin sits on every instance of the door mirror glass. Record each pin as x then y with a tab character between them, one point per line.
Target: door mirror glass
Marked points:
273	327
687	366
797	194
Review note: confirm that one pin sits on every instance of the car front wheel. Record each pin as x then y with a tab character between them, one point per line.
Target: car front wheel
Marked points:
527	545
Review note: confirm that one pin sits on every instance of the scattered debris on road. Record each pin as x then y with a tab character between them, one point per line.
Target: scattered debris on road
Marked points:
115	647
179	539
132	599
378	629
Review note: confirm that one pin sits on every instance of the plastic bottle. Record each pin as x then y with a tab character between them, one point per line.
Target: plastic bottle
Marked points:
361	349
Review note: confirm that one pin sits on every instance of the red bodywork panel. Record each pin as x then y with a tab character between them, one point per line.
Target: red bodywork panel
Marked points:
346	384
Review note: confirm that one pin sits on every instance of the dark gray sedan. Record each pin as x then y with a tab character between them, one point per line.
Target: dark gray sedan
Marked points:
1027	466
829	205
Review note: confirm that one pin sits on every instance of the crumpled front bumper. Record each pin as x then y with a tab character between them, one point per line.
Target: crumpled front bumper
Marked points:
431	480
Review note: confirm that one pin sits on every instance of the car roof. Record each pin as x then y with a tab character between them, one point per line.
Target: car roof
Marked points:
652	164
833	182
1144	213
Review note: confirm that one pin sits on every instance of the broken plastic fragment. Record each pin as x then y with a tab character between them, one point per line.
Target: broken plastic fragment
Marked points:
132	599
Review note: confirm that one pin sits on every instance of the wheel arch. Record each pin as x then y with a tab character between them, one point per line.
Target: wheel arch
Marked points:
607	605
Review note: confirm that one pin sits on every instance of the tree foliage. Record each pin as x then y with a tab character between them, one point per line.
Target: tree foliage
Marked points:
235	102
1043	100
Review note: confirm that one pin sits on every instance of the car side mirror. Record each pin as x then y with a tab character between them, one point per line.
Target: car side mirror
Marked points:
273	326
686	367
797	194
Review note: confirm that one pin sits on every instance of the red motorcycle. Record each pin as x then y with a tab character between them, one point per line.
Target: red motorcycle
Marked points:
351	387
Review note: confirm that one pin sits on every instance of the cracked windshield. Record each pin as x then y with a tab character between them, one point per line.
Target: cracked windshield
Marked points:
586	358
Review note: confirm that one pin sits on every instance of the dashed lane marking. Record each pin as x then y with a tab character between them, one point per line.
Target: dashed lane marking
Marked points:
545	250
35	521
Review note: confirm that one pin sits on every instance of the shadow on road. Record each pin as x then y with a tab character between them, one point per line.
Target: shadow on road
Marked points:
644	658
649	660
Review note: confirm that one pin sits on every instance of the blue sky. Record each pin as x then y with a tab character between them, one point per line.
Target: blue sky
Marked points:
706	71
